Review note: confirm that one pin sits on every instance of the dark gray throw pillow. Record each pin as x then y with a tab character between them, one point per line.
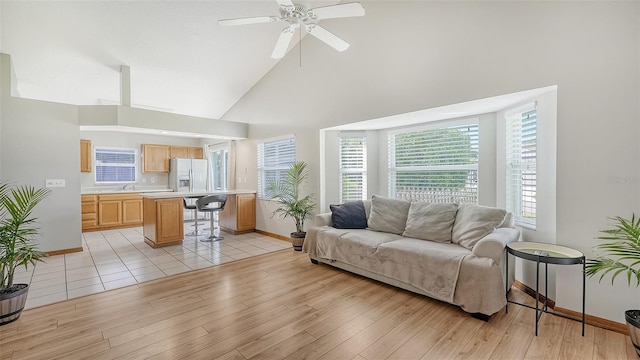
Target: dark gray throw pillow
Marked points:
350	215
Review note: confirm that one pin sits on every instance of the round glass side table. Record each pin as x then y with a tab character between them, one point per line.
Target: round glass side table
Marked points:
546	254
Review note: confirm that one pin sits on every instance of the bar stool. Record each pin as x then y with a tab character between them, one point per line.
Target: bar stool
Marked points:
192	206
213	204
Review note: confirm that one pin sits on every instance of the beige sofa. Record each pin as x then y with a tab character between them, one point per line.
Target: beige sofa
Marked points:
462	263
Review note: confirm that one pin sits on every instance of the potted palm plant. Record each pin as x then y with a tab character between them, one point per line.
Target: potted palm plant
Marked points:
619	253
17	245
288	193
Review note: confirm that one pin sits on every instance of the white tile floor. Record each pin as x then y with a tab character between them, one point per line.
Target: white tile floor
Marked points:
117	258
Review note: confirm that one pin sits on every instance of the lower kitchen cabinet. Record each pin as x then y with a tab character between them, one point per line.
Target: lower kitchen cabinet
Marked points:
132	211
111	211
239	214
163	222
89	212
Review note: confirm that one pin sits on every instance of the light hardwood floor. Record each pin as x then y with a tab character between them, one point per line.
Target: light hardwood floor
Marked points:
280	306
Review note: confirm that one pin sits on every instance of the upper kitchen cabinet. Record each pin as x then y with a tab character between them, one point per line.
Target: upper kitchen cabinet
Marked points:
186	152
195	153
155	158
85	155
180	152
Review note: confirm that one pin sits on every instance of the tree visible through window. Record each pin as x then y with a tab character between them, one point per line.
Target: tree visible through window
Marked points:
435	165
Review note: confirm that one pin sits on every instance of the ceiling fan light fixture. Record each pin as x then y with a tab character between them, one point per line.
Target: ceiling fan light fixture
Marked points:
297	15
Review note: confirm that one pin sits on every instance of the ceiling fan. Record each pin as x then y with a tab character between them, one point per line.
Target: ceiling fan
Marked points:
297	15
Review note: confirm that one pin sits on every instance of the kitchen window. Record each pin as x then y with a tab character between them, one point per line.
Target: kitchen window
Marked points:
435	163
274	159
115	165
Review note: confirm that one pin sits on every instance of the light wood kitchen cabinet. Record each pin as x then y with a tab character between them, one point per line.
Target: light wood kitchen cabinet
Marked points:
180	152
85	155
163	222
186	152
155	158
239	214
132	211
111	211
195	153
89	212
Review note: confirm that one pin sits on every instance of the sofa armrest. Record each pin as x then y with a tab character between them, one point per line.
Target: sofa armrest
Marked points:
323	219
492	245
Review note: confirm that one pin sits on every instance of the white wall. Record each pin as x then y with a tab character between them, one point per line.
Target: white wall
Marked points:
40	140
407	56
133	141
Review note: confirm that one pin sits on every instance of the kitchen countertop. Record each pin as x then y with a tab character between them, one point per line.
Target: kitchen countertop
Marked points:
167	195
93	191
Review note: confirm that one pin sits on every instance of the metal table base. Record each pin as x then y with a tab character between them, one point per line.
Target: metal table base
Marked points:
543	257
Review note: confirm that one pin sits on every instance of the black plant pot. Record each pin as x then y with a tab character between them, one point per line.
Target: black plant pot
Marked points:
297	239
12	303
633	322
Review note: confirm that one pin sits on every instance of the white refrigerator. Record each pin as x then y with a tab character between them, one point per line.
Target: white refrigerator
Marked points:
188	175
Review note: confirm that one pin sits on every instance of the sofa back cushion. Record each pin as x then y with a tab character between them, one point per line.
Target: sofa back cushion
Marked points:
388	215
350	215
431	221
473	222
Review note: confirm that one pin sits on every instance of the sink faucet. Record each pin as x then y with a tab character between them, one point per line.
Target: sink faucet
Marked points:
124	187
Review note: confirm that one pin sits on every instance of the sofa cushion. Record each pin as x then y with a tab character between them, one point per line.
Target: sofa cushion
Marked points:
473	222
350	215
431	221
388	215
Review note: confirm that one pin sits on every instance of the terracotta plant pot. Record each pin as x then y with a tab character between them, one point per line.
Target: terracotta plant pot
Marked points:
633	322
12	303
297	239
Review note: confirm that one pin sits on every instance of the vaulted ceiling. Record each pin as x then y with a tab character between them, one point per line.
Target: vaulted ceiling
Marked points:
181	61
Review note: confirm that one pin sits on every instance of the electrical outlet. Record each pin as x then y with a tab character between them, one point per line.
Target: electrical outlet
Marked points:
51	183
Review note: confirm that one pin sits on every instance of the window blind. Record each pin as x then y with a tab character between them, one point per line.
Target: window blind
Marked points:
274	159
353	167
115	165
435	164
521	154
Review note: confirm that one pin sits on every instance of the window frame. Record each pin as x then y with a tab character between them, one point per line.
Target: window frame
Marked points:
287	145
96	163
393	169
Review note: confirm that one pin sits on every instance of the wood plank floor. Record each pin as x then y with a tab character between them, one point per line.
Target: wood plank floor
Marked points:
280	306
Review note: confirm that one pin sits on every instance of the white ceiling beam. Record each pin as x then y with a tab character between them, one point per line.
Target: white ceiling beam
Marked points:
125	85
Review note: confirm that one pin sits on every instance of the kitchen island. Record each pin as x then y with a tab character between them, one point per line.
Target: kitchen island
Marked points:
163	222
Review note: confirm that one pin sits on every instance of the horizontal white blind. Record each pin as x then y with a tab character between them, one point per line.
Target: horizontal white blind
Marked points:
435	165
353	167
115	165
274	159
521	133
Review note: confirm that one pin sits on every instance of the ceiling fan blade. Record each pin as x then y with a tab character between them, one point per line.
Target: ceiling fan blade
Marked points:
285	2
327	37
249	20
338	11
283	42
